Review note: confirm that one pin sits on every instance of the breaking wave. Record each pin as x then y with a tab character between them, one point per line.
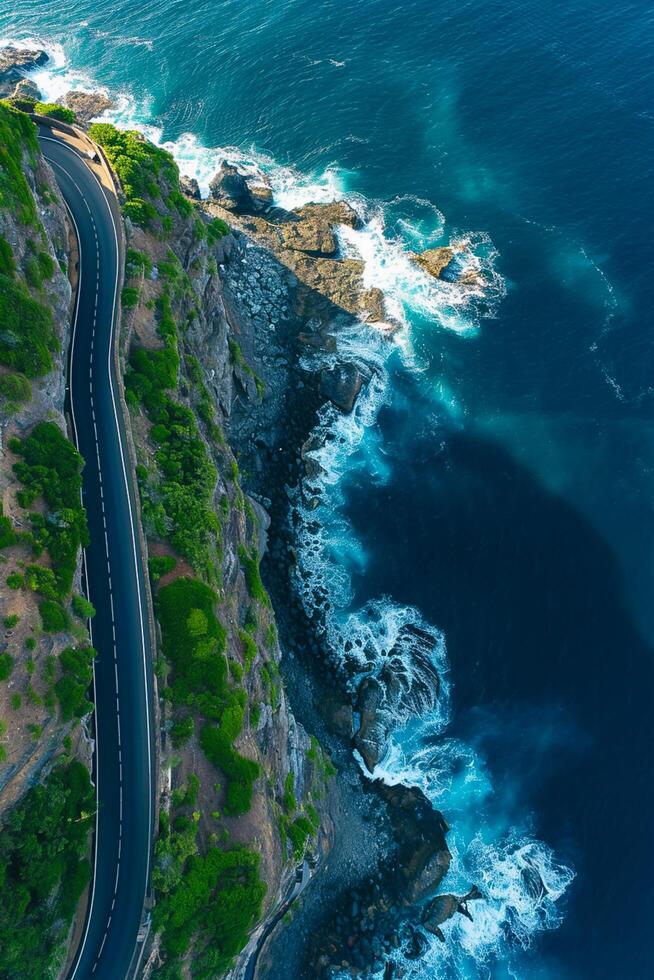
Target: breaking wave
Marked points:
520	877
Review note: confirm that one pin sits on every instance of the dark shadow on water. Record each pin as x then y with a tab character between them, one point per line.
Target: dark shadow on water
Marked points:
531	601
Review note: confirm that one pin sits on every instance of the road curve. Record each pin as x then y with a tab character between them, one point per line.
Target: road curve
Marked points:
124	758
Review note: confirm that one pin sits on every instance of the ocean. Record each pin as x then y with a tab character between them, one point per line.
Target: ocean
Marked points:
494	486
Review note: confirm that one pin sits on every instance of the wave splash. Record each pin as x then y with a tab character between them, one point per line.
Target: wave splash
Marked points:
519	875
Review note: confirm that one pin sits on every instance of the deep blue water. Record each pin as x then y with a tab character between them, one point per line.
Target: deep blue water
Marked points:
501	484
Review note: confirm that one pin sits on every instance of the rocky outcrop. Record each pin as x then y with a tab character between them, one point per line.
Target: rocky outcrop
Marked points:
14	62
342	385
235	191
434	260
445	907
312	228
26	90
87	105
190	187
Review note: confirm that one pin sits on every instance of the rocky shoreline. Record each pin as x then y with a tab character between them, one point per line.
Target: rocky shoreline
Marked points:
288	290
370	900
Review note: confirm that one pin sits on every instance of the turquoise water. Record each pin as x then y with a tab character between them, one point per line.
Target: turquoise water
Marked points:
495	484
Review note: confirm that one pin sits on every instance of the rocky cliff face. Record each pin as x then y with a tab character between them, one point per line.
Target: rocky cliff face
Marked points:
35	244
175	306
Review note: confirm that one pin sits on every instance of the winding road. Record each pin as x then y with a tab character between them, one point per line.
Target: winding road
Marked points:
112	941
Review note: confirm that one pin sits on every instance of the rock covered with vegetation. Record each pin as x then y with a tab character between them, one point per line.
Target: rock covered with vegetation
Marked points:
46	802
244	788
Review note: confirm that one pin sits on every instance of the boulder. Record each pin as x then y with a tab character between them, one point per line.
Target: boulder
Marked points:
26	89
233	190
87	105
229	188
261	194
434	260
190	187
341	385
14	62
310	229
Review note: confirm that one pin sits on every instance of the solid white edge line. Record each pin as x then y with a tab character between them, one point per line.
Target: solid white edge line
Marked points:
134	553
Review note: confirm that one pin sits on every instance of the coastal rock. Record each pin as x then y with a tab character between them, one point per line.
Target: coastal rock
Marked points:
190	187
232	190
444	907
261	194
87	105
14	62
310	229
372	732
434	260
27	90
342	385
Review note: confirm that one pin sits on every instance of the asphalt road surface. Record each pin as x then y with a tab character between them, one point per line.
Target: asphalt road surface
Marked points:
124	759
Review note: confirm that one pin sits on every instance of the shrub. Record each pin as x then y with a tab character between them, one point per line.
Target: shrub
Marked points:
27	337
43	841
15	388
55	111
7	533
129	297
218	899
217	229
51	467
250	564
53	616
141	167
241	772
17	138
77	674
7	264
15	580
299	832
11	621
6	665
181	731
136	262
82	607
160	565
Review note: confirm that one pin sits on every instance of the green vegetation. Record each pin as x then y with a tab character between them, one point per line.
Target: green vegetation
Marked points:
15	388
137	262
217	900
193	641
145	171
290	802
180	500
42	842
11	621
250	564
51	468
160	565
7	264
55	111
129	297
76	676
82	608
216	230
27	336
7	534
299	832
181	731
6	665
53	616
17	141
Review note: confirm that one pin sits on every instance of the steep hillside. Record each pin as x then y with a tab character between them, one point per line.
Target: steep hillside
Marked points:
244	789
46	803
